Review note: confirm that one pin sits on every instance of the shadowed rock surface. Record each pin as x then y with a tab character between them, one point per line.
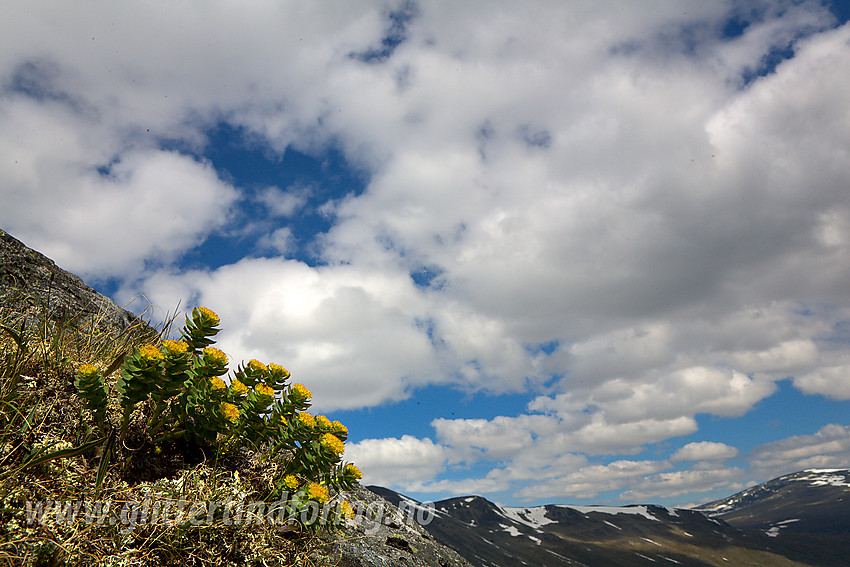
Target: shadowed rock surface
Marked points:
30	281
386	537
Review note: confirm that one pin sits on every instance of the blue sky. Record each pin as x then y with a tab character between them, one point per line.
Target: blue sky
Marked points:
545	252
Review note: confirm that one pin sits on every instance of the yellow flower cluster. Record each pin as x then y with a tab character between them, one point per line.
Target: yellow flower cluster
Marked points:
323	422
230	412
345	510
317	492
150	353
217	383
290	481
88	370
257	366
352	471
305	419
209	315
216	356
338	428
332	443
300	393
238	388
174	348
278	370
264	390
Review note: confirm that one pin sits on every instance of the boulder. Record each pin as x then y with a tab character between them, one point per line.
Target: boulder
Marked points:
31	283
381	535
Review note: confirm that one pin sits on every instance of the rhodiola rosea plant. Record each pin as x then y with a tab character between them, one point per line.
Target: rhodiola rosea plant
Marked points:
179	389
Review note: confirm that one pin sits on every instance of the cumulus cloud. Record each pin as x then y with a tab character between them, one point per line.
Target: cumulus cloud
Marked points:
95	213
399	462
352	336
590	481
704	451
829	447
627	213
282	203
677	483
830	381
89	97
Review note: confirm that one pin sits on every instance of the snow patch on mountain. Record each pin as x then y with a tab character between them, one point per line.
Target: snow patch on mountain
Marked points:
824	477
636	510
532	517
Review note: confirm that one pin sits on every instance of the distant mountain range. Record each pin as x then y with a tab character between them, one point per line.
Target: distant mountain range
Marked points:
794	520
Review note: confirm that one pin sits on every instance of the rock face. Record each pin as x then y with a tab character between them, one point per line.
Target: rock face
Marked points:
383	536
29	278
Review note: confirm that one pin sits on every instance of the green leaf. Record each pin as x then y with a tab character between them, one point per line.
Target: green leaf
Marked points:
15	335
104	459
41	457
115	364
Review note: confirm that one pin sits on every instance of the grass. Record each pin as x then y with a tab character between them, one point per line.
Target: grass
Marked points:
51	452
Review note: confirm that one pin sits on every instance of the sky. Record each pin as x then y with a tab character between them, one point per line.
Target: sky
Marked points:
543	251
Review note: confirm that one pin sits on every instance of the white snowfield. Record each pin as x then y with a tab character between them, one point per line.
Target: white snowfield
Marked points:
634	510
826	477
536	516
532	517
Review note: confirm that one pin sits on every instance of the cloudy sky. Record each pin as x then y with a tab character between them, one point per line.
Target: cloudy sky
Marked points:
541	251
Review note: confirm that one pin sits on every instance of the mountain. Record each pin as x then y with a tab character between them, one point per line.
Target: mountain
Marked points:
798	519
807	511
815	501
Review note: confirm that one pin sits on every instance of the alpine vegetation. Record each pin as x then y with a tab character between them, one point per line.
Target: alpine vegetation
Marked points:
180	384
157	449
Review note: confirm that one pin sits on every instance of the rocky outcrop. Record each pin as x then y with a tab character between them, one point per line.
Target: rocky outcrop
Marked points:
381	535
30	282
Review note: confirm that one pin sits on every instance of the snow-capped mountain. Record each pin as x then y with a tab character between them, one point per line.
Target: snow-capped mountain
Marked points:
749	528
810	501
807	511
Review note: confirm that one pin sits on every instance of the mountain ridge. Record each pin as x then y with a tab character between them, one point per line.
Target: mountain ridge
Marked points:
717	533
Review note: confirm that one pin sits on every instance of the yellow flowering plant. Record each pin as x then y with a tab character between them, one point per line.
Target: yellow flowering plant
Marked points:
176	364
140	375
180	384
91	387
197	331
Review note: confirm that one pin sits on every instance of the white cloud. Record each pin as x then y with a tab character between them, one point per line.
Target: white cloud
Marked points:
496	439
830	381
787	356
677	483
592	177
829	447
704	451
280	241
601	437
397	462
352	337
590	481
282	203
145	205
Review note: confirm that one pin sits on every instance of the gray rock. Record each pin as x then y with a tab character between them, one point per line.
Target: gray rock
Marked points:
31	282
383	536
